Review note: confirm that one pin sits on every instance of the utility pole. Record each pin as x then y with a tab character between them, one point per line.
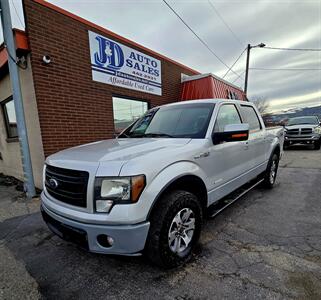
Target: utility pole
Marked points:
249	47
17	97
247	68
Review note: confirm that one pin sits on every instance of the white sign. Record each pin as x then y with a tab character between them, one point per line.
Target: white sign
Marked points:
116	64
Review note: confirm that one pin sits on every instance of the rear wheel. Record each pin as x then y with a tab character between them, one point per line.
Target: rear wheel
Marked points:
271	171
175	229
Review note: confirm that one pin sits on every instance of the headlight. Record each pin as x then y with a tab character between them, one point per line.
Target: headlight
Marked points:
317	130
117	190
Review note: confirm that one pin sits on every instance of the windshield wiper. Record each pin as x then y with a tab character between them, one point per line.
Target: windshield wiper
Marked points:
158	134
123	135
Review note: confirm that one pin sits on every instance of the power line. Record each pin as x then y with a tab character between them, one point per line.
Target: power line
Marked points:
235	63
291	49
225	23
238	77
9	54
280	69
200	39
23	26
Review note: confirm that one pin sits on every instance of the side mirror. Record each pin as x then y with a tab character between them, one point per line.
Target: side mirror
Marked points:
232	133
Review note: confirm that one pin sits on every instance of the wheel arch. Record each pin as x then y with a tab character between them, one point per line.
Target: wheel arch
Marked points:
276	150
190	183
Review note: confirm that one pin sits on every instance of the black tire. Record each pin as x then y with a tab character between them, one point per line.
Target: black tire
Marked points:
286	145
273	163
317	145
158	246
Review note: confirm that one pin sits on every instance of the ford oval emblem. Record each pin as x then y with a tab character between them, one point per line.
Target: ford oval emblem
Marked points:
53	183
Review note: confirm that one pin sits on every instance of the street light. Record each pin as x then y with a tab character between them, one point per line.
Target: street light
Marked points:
249	47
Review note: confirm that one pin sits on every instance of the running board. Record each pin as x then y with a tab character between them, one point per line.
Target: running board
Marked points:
225	202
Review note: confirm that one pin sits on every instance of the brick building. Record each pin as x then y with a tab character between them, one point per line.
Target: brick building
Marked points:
81	83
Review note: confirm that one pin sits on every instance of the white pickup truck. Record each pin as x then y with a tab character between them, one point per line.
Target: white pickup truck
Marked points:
303	130
149	189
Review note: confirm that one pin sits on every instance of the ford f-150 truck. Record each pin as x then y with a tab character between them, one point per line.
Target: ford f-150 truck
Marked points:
148	190
303	130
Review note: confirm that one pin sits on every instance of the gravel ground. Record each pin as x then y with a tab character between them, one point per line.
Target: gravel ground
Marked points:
265	246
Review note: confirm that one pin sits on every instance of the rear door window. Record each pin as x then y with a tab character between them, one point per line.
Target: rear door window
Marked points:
249	116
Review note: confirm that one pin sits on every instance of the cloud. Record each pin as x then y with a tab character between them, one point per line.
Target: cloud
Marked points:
305	100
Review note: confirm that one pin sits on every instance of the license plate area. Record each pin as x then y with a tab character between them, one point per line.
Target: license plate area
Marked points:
66	232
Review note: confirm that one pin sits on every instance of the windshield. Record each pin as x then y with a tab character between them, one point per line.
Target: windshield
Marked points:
175	121
303	120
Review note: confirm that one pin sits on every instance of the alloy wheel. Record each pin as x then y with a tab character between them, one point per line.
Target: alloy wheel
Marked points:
181	231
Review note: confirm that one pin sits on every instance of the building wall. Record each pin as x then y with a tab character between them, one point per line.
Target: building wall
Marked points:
10	151
10	164
74	109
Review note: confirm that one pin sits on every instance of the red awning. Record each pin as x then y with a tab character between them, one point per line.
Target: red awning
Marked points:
208	86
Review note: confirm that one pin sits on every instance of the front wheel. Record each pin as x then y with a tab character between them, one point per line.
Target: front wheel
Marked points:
317	145
271	171
286	145
175	229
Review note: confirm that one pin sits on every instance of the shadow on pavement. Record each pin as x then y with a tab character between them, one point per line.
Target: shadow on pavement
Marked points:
64	271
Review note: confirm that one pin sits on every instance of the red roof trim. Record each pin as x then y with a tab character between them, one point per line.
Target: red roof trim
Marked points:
84	21
3	57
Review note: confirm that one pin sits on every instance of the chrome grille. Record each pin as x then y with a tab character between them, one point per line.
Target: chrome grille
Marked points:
306	130
292	131
302	131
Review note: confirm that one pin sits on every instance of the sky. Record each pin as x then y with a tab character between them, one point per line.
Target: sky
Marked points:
227	27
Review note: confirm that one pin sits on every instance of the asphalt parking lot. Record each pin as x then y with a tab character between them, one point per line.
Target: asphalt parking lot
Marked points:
265	246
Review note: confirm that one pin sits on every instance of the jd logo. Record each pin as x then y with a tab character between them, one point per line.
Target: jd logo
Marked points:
109	55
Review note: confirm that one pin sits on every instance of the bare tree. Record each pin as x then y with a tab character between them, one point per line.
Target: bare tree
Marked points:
262	105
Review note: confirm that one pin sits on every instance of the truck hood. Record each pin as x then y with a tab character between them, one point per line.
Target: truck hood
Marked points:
305	126
116	150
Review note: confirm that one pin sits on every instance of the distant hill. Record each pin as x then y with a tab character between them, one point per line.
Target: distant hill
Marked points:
284	115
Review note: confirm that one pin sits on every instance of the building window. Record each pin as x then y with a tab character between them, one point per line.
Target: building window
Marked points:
232	95
126	111
10	118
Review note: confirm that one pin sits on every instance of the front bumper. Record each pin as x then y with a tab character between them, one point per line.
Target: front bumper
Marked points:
301	139
128	239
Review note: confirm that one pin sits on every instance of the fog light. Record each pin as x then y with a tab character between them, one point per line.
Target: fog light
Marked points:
105	240
110	240
103	205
